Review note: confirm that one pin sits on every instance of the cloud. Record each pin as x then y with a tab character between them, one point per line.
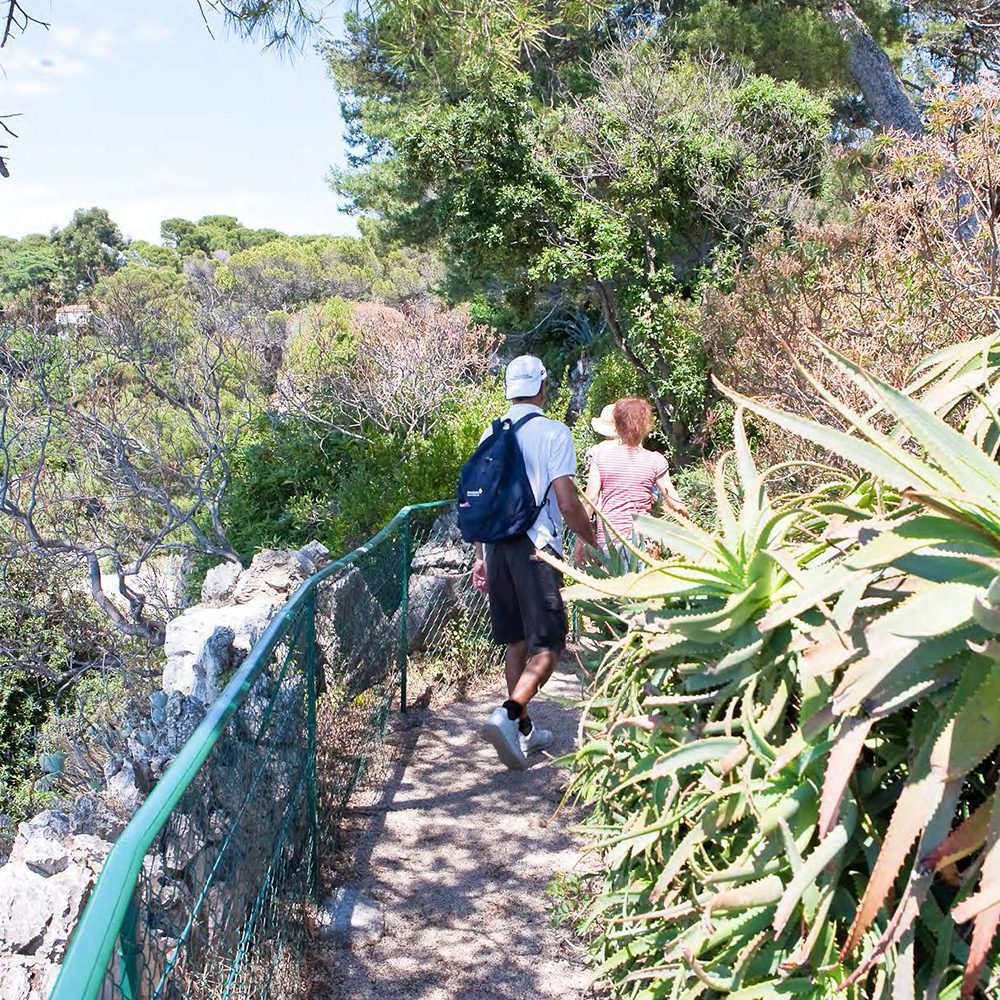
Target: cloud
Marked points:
32	88
43	60
95	43
152	32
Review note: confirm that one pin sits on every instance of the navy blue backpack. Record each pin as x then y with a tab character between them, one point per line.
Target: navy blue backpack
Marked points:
495	498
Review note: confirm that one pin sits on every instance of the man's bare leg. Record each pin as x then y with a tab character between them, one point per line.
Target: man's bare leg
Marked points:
525	676
514	661
536	672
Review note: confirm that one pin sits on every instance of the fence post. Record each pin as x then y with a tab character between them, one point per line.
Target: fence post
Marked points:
404	610
313	798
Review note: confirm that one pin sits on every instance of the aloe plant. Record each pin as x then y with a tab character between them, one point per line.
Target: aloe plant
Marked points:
788	748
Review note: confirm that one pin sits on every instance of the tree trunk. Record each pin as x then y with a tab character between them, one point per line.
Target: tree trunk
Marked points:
674	430
153	632
879	82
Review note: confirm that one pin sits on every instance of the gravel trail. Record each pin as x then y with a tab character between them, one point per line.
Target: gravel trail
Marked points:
459	851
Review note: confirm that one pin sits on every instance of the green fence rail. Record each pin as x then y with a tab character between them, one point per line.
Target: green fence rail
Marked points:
207	892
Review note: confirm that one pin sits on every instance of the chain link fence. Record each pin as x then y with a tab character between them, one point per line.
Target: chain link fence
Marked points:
208	892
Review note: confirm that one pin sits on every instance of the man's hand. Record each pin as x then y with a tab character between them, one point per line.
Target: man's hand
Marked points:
479	576
581	553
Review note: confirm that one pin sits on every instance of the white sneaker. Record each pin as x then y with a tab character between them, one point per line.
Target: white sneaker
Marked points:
503	734
537	739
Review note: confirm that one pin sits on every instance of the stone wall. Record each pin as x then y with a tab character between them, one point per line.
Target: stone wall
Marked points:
57	855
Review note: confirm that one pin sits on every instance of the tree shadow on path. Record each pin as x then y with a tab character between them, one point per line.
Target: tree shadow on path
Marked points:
459	851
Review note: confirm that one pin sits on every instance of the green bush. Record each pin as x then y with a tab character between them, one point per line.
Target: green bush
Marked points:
25	701
791	738
54	642
293	482
613	377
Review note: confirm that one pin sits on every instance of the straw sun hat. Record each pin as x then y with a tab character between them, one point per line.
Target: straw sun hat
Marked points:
605	423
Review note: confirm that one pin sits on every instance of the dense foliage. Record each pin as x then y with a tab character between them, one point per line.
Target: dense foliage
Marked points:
791	738
914	267
620	160
202	400
628	175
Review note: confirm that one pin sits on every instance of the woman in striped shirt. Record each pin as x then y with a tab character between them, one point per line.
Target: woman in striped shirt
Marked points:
624	476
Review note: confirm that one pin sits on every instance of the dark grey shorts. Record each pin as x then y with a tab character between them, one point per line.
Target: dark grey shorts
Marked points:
525	599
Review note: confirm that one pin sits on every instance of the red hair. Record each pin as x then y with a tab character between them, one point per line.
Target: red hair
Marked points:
633	420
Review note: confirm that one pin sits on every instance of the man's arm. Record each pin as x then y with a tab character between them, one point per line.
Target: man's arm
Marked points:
573	511
593	490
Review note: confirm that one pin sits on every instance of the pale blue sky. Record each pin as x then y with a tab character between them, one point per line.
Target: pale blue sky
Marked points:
130	105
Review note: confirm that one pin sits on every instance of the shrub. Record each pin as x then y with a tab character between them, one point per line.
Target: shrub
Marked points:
791	740
913	270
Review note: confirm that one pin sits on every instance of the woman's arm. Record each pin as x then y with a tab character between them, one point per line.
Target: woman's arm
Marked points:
670	495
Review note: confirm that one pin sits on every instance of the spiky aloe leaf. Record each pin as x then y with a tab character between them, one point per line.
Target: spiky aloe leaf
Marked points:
775	989
762	892
723	505
883	459
989	886
953	360
685	540
720	623
658	583
714	818
966	739
987	917
687	755
917	666
912	636
847	746
965	839
966	465
826	852
916	533
919	796
751	481
824	650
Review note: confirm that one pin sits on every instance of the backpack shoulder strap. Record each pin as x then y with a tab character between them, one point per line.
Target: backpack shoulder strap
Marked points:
520	423
517	426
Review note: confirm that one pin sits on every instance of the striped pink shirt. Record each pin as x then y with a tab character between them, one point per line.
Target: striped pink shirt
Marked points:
628	476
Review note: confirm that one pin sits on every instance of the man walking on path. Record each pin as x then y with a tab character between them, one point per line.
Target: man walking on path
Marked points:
526	607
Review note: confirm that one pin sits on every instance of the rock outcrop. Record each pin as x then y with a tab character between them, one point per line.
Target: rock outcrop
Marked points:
439	588
56	856
208	641
43	887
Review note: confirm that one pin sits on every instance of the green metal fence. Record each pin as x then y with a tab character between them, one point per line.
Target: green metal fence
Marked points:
207	892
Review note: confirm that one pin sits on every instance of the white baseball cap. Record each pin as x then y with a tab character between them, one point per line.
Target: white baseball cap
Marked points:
524	377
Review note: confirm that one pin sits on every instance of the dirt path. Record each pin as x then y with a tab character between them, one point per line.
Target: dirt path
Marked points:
459	851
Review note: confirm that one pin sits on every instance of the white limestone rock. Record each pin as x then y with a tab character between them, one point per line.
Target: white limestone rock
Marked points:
273	573
122	789
350	919
37	912
23	978
220	582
